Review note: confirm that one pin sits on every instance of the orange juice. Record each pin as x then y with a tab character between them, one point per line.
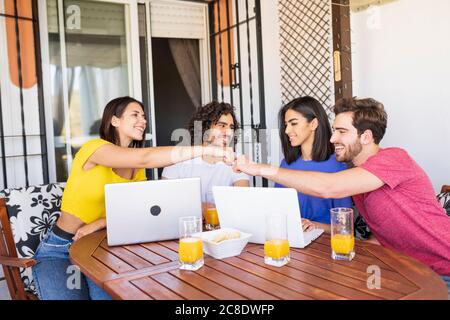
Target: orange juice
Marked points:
342	243
211	216
276	248
190	250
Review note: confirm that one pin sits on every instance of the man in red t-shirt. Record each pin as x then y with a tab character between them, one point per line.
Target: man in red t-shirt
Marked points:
390	190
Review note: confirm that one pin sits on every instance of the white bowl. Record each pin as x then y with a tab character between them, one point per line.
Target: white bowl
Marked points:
225	248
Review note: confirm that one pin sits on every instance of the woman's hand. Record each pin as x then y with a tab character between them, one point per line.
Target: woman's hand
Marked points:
90	228
308	225
245	165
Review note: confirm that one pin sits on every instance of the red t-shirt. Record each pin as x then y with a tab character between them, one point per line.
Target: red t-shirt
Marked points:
404	214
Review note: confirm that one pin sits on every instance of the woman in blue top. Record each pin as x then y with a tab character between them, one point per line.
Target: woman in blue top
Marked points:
305	134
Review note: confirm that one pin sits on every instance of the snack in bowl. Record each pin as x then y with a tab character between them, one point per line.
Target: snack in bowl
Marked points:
226	235
224	242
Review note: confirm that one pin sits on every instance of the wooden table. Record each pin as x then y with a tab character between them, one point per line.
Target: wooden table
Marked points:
150	271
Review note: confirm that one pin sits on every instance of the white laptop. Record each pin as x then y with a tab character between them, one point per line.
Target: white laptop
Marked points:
246	209
149	210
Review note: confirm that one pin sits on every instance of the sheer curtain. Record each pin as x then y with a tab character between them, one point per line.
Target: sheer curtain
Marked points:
185	53
96	73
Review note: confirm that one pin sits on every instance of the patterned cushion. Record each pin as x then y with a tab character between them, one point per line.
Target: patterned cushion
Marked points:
444	200
32	212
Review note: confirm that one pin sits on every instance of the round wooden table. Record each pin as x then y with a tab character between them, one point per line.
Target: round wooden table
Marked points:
150	271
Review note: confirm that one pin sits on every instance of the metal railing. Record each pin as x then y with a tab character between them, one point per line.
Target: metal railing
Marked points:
237	69
19	47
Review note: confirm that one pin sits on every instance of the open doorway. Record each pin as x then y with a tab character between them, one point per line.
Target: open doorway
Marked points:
177	85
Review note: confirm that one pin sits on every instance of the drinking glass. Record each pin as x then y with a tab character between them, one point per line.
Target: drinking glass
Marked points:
190	250
211	215
342	236
276	247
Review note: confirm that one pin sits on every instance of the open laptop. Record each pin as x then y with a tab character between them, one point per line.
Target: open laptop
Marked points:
246	209
148	211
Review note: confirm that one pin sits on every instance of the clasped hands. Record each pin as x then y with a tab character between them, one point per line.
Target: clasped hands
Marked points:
243	164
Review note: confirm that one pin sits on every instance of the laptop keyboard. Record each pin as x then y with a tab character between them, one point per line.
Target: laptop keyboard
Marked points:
312	235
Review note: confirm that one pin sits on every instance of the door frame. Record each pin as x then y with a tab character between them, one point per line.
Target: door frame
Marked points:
204	54
205	68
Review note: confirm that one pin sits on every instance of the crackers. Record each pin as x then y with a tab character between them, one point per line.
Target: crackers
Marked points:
226	235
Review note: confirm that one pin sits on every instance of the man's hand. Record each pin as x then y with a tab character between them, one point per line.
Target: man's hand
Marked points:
244	164
225	154
229	156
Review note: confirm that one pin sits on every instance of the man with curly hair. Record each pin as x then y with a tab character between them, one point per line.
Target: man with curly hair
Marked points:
213	124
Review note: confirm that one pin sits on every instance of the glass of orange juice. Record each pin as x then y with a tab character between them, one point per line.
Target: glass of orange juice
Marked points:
342	236
211	215
276	247
190	248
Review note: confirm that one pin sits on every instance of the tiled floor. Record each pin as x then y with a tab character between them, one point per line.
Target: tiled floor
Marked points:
4	294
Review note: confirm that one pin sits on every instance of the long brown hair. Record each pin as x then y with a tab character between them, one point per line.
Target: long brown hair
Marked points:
116	107
311	109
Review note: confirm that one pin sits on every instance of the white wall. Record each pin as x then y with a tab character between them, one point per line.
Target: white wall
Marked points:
272	75
401	57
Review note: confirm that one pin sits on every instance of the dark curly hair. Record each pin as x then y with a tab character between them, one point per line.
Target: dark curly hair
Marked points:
208	115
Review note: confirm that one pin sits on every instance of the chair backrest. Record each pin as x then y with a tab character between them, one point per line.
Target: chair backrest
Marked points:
30	213
444	198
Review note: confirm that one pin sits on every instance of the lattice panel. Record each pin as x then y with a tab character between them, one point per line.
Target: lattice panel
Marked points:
305	49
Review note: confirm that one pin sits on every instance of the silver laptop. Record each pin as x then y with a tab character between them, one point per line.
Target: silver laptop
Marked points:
148	211
246	209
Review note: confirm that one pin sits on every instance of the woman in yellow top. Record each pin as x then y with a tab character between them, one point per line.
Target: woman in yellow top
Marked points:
117	156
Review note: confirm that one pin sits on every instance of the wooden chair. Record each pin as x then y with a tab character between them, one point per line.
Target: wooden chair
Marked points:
9	259
444	198
26	215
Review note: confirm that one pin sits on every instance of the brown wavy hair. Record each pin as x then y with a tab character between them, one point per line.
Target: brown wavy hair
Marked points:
368	114
208	115
116	107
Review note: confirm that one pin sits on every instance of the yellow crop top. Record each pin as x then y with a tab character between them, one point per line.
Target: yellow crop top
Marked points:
84	195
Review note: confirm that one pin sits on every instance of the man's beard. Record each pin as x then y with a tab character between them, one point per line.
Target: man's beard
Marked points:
223	141
351	152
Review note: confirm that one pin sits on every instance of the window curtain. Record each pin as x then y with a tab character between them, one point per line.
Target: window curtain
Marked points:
185	53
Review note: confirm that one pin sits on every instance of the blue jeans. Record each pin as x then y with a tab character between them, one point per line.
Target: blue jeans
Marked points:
447	281
56	278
